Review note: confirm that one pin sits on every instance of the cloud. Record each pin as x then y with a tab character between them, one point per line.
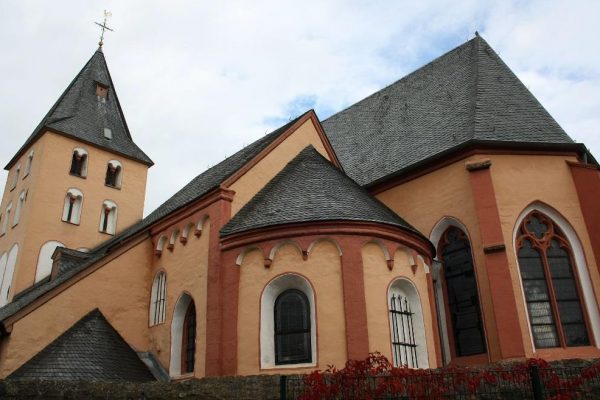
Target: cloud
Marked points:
199	80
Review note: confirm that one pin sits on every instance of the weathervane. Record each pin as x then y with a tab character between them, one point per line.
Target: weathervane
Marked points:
107	14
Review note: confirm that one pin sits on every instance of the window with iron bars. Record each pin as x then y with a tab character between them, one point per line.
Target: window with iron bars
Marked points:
404	346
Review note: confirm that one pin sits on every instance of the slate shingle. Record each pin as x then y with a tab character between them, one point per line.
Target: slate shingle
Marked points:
78	113
467	94
310	189
90	350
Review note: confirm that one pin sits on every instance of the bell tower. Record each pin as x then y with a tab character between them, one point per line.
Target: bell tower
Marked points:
78	179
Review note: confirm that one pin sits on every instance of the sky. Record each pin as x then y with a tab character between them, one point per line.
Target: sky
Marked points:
198	80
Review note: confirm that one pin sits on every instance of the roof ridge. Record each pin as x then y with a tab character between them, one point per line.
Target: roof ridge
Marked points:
404	78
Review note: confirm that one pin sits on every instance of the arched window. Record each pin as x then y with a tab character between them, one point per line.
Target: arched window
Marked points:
108	217
28	164
72	206
188	345
15	177
287	322
19	208
461	293
158	299
292	328
44	264
6	218
114	172
79	162
5	284
550	284
183	336
407	328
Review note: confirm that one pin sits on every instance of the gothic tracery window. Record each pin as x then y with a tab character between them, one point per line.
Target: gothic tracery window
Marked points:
550	284
462	294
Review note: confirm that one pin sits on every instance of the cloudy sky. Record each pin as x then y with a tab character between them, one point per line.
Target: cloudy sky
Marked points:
200	79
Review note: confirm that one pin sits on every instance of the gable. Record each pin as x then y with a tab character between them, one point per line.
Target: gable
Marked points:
249	181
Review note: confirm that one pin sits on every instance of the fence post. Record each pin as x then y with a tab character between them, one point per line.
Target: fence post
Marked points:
536	382
283	387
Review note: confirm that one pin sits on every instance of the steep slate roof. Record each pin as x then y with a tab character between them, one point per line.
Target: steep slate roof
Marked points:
466	95
198	187
311	189
78	113
89	350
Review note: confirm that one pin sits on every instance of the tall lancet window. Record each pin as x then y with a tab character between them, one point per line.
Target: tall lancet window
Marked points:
550	283
108	217
188	345
113	174
158	299
79	161
462	294
72	206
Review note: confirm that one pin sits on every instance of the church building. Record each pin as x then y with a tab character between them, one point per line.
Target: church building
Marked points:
446	219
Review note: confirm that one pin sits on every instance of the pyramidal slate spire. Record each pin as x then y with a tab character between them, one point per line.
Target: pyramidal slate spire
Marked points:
89	111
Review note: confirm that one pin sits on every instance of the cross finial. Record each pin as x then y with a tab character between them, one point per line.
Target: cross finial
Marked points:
107	14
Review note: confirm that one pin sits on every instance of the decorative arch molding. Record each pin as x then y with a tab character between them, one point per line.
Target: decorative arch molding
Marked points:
200	225
240	258
386	253
269	295
589	299
404	287
160	245
181	307
6	284
279	245
185	233
423	262
44	264
410	255
324	239
173	239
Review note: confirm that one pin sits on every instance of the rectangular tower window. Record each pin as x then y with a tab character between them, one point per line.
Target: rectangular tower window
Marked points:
107	133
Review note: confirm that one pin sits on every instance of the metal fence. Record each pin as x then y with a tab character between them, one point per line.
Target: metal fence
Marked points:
521	383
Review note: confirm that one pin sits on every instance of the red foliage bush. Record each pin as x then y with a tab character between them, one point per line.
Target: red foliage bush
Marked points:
375	377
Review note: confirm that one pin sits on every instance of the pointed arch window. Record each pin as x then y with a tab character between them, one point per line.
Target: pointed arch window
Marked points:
188	345
550	283
72	206
108	217
7	213
292	328
462	295
28	164
158	300
19	208
114	172
15	177
79	161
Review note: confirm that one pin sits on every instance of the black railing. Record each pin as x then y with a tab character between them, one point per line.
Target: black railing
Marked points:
532	382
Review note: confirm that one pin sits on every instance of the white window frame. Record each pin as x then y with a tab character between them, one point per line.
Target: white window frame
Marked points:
159	293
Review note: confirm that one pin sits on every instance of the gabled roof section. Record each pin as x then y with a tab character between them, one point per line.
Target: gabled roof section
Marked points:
311	189
90	350
203	184
80	114
466	95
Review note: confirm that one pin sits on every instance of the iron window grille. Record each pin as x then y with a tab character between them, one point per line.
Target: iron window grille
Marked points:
188	347
404	346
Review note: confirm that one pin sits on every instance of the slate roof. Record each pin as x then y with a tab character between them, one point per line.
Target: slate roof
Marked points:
466	95
198	187
308	189
90	350
78	113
